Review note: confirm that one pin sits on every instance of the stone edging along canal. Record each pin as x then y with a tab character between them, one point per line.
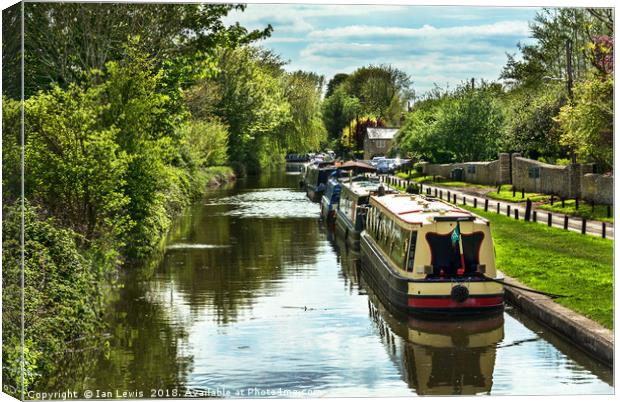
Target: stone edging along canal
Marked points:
581	331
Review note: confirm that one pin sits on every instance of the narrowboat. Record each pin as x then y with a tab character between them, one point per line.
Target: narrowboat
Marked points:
430	257
315	181
352	207
331	197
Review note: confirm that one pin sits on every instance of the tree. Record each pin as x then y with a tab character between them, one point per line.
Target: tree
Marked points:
66	40
586	124
338	110
530	126
335	83
464	126
305	131
383	91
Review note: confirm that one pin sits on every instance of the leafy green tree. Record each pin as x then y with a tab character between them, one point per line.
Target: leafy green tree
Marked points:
252	103
530	126
64	41
383	91
305	131
335	83
464	126
587	123
338	110
74	166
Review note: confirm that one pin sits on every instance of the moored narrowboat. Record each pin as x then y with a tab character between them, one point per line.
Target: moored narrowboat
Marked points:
352	207
316	180
331	197
431	257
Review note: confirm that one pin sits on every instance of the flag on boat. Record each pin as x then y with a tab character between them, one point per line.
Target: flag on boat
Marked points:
456	235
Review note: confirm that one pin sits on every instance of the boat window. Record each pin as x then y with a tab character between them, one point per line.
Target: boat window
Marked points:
412	244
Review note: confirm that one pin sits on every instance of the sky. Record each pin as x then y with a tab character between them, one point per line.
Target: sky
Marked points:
443	45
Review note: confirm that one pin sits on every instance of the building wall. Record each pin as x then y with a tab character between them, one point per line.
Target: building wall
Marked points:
372	148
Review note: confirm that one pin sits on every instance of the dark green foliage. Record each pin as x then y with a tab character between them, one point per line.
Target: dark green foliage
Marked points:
64	41
62	301
464	126
530	125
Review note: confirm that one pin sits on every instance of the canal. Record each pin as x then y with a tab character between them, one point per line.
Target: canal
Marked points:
254	297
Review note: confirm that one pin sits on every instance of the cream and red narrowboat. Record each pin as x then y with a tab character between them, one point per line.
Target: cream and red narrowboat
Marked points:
429	256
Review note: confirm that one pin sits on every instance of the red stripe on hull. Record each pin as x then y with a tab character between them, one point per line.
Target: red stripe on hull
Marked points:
446	302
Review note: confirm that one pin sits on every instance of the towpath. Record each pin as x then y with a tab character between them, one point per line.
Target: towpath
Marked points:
593	227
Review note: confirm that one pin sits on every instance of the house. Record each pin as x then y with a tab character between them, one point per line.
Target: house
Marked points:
377	141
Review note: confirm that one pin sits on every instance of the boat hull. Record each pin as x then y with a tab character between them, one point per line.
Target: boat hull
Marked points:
428	298
345	229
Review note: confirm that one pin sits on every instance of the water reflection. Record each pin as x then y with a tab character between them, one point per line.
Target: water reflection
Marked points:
252	293
436	357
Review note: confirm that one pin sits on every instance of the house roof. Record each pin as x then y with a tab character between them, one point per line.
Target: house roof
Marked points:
376	133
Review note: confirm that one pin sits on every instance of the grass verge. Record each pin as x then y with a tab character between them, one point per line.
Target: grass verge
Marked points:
585	211
557	261
505	194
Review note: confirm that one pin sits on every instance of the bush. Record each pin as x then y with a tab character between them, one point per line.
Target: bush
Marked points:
61	301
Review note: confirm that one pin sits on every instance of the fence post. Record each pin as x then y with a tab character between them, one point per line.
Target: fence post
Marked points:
562	202
454	196
522	193
549	219
514	191
576	203
583	225
534	216
486	205
528	210
498	207
516	214
565	222
508	210
441	194
551	199
603	230
435	192
464	201
475	202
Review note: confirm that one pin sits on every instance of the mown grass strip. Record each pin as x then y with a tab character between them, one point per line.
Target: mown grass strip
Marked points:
505	194
584	211
557	261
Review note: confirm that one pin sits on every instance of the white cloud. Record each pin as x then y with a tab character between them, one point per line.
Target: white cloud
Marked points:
502	28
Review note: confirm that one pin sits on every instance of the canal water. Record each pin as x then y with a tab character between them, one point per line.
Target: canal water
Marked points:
254	297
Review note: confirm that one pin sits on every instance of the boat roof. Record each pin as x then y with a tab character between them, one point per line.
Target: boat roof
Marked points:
362	188
422	210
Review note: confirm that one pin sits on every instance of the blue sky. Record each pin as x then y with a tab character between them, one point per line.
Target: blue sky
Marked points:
440	44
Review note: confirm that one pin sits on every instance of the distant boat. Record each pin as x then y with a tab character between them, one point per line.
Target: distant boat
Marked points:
331	197
353	206
429	256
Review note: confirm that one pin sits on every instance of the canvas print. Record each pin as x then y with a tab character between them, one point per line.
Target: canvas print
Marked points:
214	200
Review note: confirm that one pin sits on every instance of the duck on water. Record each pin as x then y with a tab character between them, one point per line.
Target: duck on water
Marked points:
431	257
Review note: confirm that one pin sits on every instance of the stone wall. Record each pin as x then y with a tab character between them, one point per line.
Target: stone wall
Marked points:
532	176
597	188
473	172
538	177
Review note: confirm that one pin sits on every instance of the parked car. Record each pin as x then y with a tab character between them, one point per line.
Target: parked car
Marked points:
375	161
386	166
